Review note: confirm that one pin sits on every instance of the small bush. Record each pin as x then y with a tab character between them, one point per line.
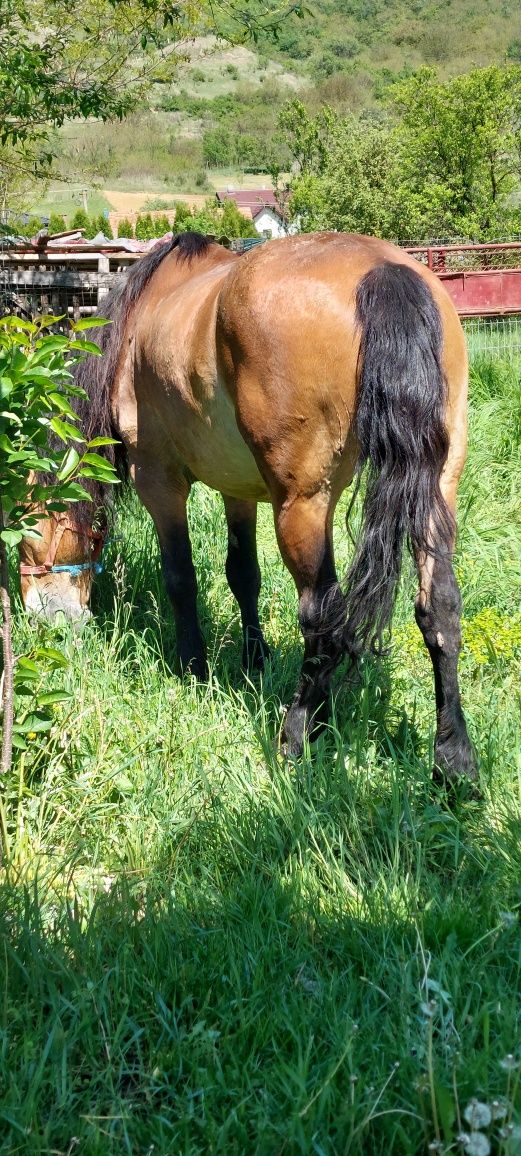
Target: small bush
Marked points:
80	220
234	224
103	225
125	228
57	223
183	217
145	229
154	203
161	225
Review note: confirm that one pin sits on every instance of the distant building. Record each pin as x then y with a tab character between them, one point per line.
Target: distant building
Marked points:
260	206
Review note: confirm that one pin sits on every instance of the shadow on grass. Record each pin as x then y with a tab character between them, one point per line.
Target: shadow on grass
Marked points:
259	989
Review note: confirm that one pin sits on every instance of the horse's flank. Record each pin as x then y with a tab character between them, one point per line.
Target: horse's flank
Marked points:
171	393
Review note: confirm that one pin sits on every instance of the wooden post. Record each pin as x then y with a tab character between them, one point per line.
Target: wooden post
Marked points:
103	273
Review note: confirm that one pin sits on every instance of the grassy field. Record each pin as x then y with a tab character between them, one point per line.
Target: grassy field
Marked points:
207	949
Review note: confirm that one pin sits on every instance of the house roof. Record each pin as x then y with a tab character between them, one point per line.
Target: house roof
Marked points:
253	199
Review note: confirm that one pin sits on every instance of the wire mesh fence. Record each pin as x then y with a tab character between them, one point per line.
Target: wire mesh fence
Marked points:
69	285
493	337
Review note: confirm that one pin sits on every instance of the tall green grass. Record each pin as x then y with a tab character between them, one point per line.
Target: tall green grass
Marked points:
208	949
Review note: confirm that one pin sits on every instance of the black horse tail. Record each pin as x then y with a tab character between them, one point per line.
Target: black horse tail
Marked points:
403	443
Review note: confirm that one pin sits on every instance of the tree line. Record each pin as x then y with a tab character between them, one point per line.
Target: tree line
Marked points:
439	160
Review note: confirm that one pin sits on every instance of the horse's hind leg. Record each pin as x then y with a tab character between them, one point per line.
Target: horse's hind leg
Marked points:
304	535
244	577
438	615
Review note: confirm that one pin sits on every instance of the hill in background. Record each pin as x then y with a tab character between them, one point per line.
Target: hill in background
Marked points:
218	120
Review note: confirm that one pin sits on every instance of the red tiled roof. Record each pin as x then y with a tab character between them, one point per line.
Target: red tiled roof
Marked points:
253	199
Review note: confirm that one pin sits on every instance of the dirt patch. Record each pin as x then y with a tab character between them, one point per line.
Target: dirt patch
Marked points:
135	202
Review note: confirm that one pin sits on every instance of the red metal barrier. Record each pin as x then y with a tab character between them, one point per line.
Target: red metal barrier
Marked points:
479	287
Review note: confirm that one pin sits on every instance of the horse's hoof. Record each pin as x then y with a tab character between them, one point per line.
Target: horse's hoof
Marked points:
455	769
255	654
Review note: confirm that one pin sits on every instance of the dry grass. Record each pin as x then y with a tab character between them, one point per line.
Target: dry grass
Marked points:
122	202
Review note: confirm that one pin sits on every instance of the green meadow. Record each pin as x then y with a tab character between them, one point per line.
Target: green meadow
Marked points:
206	948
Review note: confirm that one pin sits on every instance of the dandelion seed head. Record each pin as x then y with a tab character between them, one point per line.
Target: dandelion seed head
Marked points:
477	1114
476	1144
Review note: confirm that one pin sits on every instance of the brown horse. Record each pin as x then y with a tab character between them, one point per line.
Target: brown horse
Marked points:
277	377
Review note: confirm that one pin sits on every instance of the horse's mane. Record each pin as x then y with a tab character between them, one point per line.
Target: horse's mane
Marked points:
95	373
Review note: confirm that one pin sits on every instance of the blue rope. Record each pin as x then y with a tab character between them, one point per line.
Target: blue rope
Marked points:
78	568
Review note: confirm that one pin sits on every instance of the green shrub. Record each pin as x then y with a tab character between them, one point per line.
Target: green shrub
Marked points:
103	225
183	217
162	225
125	228
219	147
57	223
80	220
141	228
234	224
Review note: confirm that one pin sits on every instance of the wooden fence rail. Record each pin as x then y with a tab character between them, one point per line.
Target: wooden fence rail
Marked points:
64	283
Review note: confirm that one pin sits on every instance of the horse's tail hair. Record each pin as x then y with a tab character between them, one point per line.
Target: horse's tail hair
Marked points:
401	398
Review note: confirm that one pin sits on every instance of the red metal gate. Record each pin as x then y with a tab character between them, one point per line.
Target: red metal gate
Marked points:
483	280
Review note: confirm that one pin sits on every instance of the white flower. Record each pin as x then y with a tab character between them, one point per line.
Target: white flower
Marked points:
499	1110
509	1063
476	1144
477	1114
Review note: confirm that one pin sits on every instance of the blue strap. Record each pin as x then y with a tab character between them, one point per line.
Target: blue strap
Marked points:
78	568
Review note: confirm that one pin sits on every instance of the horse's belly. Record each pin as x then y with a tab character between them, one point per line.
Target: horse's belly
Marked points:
222	462
202	430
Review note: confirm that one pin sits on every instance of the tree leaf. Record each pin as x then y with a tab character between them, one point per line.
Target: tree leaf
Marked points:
69	465
11	537
65	431
90	323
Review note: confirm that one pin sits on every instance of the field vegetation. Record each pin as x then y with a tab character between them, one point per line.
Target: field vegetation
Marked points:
221	107
208	948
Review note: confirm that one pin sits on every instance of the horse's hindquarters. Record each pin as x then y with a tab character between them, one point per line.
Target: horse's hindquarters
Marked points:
173	407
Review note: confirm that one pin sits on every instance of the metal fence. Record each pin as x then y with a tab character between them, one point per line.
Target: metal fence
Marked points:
493	337
74	286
